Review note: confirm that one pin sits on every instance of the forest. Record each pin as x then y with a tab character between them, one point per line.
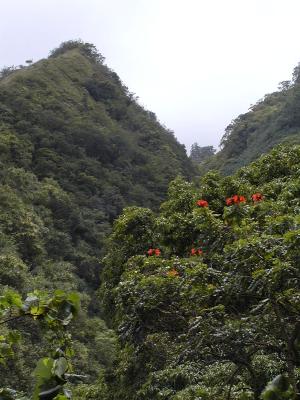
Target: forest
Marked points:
274	119
130	271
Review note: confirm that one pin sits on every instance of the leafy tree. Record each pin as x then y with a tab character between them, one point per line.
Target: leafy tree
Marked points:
215	312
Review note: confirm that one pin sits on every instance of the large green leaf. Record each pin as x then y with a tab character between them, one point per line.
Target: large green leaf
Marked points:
60	367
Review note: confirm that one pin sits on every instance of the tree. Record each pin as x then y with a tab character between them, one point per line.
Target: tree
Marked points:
53	314
214	314
201	153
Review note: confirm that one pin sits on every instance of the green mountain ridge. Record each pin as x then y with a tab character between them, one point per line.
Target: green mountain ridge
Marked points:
271	121
75	148
72	120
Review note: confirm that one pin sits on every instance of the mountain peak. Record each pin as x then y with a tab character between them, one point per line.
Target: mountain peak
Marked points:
82	128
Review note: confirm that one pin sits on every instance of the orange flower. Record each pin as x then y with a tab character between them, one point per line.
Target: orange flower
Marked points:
202	203
151	252
193	252
173	272
236	199
157	252
257	197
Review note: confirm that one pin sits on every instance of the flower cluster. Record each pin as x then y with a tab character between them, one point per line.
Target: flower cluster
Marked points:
236	199
152	252
196	252
202	203
257	197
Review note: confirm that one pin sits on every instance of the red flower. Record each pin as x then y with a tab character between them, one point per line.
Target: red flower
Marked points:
157	252
194	252
202	203
235	200
257	197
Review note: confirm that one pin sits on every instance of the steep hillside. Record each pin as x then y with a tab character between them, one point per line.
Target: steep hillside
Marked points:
274	119
75	148
70	121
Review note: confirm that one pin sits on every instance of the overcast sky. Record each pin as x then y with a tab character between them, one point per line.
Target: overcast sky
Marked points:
196	63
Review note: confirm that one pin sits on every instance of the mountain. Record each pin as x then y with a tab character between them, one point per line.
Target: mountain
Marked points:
70	121
198	283
274	119
75	149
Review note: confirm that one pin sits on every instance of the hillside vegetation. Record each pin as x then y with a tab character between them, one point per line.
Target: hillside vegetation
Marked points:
198	284
69	121
274	119
75	148
205	295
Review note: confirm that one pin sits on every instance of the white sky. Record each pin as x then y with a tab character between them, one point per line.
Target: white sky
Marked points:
196	63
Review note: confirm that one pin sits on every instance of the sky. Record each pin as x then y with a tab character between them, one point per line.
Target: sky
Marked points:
197	64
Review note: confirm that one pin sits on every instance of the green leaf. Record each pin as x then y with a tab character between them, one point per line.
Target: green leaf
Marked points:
61	397
43	374
29	302
60	367
43	369
74	299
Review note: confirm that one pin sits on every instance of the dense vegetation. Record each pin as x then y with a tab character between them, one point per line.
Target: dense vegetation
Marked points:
200	295
75	148
272	120
70	122
199	154
205	295
53	314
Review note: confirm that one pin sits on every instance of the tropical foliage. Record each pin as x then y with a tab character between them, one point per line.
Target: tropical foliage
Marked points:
200	296
215	313
53	315
75	148
70	124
